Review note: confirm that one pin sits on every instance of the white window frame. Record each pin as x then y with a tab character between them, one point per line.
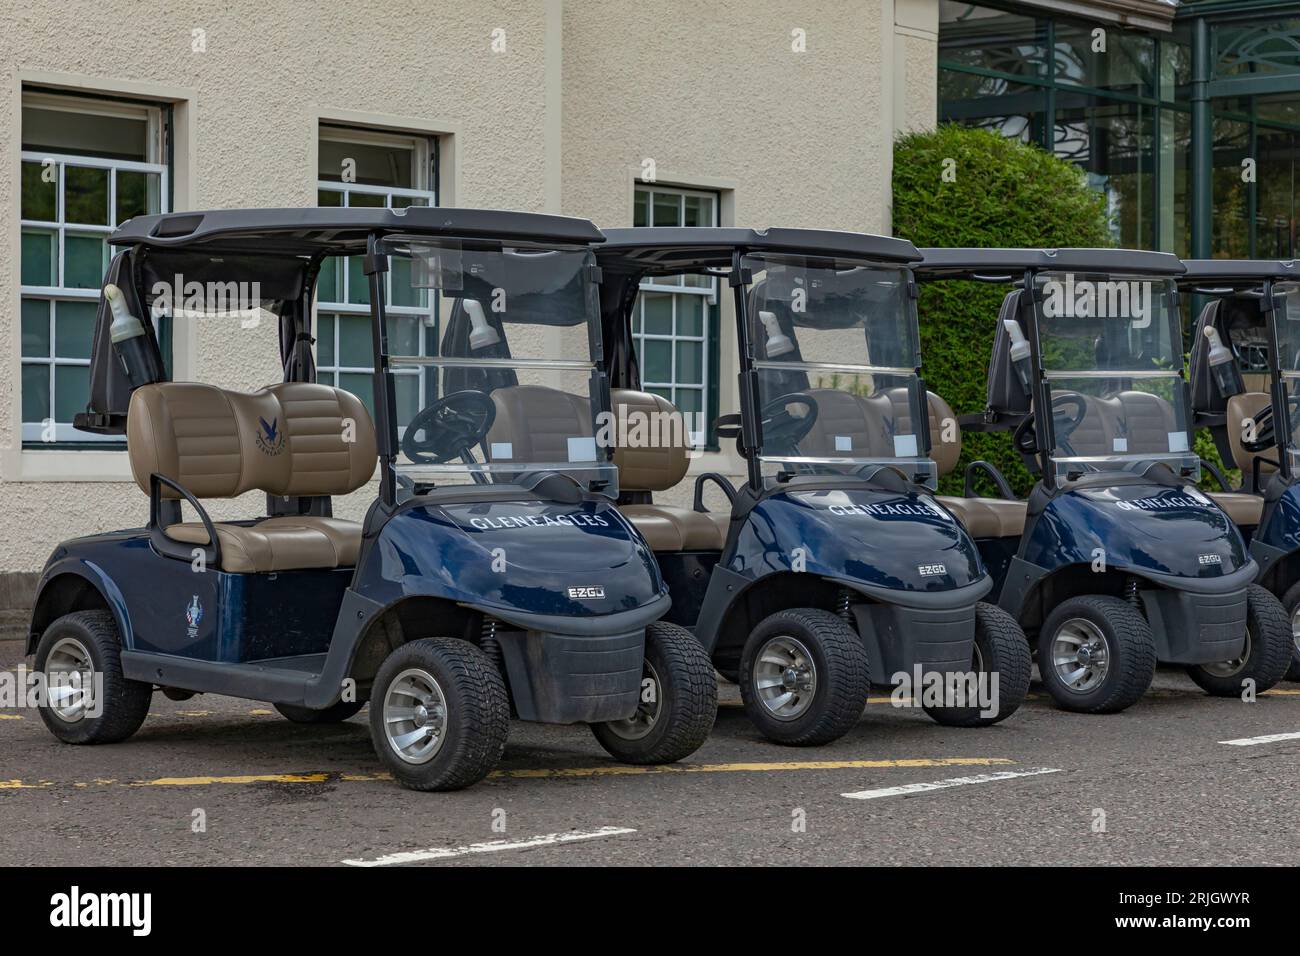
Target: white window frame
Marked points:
34	432
421	160
659	284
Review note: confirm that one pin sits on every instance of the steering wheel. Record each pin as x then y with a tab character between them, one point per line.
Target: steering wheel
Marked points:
1024	439
449	428
1068	411
782	429
1265	429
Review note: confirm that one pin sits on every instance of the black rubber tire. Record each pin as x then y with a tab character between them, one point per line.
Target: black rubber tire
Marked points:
687	697
1132	652
336	713
843	677
1291	601
1268	654
1004	650
478	713
125	702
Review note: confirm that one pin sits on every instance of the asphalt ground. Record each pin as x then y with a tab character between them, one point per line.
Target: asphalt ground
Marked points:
217	780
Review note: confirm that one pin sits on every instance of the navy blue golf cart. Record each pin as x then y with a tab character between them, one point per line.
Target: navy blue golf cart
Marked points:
493	573
833	566
1245	363
1116	561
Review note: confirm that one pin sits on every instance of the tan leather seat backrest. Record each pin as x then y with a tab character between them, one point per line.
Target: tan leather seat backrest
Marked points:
870	423
945	436
1241	411
534	424
847	425
1094	436
295	438
659	460
1148	419
944	452
1142	419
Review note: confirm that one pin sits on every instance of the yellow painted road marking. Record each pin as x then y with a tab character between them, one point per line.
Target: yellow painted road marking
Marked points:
542	773
11	717
616	770
241	779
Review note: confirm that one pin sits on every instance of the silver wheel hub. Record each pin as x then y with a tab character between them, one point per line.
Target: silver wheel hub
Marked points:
649	705
70	680
785	677
1295	627
415	716
1080	655
1232	667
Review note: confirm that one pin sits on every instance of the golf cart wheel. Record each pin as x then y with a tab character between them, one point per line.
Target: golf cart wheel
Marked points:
439	714
336	713
1096	654
86	643
804	677
1269	650
1002	652
1291	604
679	700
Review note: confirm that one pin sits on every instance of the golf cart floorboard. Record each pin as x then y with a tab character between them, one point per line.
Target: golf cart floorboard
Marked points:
281	680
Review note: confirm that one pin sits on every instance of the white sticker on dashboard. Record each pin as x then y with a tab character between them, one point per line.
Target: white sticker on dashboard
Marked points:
582	449
1178	441
502	450
904	446
843	443
1119	445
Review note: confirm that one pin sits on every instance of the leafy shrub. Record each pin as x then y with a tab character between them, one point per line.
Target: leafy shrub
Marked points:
1003	193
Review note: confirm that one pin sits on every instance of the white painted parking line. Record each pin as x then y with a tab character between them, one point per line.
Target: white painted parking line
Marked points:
945	784
1266	739
494	846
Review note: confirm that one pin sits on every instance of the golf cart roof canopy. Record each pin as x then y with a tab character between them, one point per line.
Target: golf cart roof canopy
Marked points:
1211	274
1005	265
668	250
312	231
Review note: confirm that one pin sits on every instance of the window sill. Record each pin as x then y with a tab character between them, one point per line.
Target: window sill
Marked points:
62	464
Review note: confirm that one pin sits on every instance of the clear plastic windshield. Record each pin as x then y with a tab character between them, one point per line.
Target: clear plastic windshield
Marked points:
1286	306
492	372
1112	353
837	350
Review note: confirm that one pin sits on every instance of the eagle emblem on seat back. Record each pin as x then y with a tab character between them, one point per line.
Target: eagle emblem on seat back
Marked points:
269	437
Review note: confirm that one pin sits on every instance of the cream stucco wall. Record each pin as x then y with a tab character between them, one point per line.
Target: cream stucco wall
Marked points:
559	121
717	96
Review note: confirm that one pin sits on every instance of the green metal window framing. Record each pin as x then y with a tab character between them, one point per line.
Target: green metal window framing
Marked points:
1182	91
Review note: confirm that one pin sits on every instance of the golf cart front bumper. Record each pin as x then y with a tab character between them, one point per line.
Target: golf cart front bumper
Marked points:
564	670
1199	620
934	631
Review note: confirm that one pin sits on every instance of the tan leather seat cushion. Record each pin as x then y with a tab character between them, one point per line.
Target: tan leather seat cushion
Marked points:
670	528
291	439
279	544
987	517
1243	509
652	454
